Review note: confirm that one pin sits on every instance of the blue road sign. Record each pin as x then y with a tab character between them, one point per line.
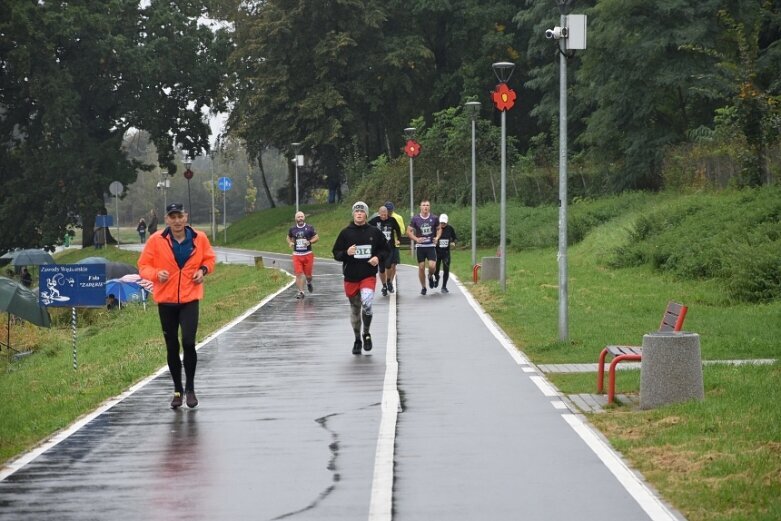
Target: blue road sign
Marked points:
104	221
72	285
224	183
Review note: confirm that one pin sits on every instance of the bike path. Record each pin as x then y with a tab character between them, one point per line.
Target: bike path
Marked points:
289	419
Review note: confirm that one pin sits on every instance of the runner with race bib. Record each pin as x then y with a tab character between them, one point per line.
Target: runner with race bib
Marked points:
392	232
424	233
300	238
361	249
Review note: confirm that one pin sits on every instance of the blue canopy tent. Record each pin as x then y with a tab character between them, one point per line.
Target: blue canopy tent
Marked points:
125	291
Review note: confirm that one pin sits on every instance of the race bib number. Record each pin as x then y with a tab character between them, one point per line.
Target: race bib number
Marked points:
363	251
425	229
443	243
301	244
387	234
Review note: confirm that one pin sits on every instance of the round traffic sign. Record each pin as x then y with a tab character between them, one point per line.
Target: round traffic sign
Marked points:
115	188
224	183
188	174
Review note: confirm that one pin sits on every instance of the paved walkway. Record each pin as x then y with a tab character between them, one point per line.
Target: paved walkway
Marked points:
444	419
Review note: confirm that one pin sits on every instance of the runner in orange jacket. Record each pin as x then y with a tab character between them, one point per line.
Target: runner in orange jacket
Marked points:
176	260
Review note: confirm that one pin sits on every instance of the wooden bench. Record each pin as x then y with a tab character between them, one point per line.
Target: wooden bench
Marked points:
672	320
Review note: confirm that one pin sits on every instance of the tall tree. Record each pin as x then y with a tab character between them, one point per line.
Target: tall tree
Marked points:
75	78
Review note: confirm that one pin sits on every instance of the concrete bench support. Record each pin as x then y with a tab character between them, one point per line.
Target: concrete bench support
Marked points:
671	369
490	268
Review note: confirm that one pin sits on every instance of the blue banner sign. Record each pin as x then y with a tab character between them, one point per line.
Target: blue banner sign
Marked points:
104	221
72	285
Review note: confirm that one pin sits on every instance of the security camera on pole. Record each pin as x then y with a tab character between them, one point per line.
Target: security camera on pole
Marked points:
570	36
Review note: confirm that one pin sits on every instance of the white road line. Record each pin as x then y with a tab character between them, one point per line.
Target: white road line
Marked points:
15	465
381	503
647	500
544	386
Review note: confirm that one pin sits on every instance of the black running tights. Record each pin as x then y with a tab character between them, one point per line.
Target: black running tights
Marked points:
172	317
444	261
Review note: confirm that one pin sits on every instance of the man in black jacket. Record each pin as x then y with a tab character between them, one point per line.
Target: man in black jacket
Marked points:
360	248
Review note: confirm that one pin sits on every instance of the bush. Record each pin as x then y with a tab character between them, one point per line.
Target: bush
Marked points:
733	237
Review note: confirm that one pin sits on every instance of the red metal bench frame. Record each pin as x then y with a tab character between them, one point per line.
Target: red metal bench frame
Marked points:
672	320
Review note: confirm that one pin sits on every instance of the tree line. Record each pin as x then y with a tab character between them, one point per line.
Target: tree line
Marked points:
666	93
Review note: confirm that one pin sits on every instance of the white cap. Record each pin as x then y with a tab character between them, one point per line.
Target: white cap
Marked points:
360	205
443	218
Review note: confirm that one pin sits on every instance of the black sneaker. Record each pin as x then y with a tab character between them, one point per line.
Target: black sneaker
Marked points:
367	342
310	287
445	290
390	287
430	281
300	295
384	291
422	291
436	281
177	401
192	401
357	347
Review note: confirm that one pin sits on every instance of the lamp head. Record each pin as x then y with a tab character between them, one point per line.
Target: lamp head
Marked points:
409	132
503	71
472	108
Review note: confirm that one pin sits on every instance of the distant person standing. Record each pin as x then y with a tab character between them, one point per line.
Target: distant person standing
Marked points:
141	229
176	261
152	226
360	248
424	233
301	237
395	252
390	229
447	238
26	278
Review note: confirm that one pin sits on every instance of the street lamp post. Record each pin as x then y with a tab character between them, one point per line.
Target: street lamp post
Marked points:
188	174
503	71
473	109
409	133
163	185
296	148
214	210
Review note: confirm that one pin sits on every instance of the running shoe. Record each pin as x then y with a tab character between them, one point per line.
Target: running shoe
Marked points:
300	295
309	287
430	281
177	401
384	291
367	342
445	290
357	347
423	291
436	281
192	401
390	287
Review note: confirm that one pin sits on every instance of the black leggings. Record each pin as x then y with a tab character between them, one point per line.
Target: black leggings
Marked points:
172	316
443	259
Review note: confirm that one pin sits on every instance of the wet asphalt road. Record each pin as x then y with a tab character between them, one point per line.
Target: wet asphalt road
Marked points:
288	427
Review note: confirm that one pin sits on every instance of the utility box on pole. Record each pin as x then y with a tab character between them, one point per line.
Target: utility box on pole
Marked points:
576	32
